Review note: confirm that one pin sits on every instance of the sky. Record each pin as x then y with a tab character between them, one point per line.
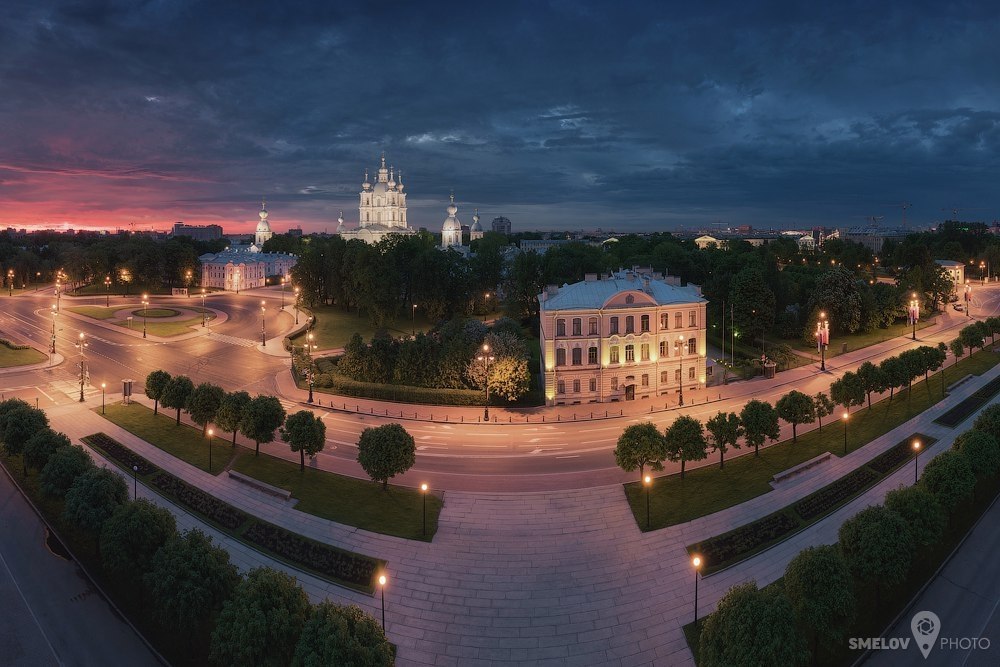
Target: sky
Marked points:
561	115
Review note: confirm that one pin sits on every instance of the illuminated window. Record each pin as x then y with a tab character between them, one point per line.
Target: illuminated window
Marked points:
664	320
644	351
663	348
629	353
592	355
614	354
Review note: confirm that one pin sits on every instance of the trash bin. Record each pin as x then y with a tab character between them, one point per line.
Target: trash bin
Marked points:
769	368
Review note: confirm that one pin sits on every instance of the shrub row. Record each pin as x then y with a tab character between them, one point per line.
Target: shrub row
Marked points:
830	496
346	568
737	544
339	384
13	346
960	412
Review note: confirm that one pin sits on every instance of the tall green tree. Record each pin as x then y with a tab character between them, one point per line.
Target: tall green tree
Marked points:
726	431
819	586
204	403
760	421
156	384
796	408
921	511
93	498
17	426
305	433
386	451
950	478
176	394
685	441
132	536
261	418
878	547
957	348
63	467
753	302
339	635
838	294
847	390
982	450
42	445
640	445
261	623
872	380
824	407
231	412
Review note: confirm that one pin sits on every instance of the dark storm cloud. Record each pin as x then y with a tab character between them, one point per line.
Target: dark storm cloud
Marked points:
570	113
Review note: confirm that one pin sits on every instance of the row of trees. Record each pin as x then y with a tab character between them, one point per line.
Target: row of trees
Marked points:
855	387
814	608
448	358
194	589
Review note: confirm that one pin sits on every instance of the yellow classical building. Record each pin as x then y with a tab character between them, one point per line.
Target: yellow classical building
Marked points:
631	335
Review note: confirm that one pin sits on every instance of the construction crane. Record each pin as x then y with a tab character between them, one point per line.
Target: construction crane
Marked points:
904	205
955	210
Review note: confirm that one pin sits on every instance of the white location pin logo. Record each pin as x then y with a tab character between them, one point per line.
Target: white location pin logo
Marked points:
925	626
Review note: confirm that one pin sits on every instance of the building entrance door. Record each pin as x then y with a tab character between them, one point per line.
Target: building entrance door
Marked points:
630	392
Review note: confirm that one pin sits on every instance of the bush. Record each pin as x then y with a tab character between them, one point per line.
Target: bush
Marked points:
982	450
94	497
343	386
878	546
42	445
920	510
62	469
338	635
133	535
950	478
989	420
818	584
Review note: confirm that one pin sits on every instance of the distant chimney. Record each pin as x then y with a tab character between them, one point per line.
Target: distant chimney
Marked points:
645	285
552	290
673	280
590	277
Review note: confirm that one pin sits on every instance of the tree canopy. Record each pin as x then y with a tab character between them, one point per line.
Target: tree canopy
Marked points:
386	451
305	433
640	445
685	441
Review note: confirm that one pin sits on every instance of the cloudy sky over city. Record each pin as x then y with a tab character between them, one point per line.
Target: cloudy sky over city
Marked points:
559	115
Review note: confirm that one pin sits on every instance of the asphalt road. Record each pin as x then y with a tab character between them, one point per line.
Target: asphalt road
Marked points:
966	599
51	613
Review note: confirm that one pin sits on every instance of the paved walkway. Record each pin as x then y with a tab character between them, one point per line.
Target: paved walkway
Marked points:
544	578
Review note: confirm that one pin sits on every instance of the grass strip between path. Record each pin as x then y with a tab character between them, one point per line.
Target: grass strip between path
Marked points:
737	545
10	358
337	566
397	511
706	490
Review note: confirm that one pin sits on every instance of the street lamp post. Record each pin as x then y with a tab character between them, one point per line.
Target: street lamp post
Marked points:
58	293
210	433
135	483
680	346
282	292
914	313
263	334
847	416
83	362
487	359
696	562
10	281
309	372
647	482
982	273
822	339
54	313
381	584
916	455
145	305
103	387
413	320
204	313
107	296
296	305
187	282
423	493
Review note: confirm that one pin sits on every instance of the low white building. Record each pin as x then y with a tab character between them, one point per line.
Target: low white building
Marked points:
632	335
246	267
955	270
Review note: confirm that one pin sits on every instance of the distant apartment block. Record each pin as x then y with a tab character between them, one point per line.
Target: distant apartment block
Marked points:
197	232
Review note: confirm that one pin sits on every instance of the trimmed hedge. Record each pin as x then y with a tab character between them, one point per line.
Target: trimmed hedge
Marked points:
13	346
961	412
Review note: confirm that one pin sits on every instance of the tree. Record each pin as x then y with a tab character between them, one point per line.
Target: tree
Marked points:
132	536
747	616
93	498
203	404
760	421
847	390
753	303
878	547
189	579
920	510
177	393
685	441
305	433
640	445
42	445
231	412
824	407
64	466
17	425
893	373
509	378
983	452
386	451
261	623
838	293
819	586
796	408
726	431
156	383
957	348
989	420
339	635
971	337
872	380
261	418
950	478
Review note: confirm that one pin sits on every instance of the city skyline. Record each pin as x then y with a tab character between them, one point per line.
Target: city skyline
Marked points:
561	116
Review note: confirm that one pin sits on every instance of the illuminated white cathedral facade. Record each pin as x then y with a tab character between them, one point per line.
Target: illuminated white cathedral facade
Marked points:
381	208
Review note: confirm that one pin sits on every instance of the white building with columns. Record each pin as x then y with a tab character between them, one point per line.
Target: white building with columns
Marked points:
633	335
381	208
245	267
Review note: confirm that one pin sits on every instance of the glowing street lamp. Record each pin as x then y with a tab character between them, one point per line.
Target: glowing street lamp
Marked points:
696	563
135	483
10	281
55	311
263	335
309	372
187	282
204	313
381	584
913	313
916	455
413	318
296	305
968	298
107	297
145	305
822	338
82	344
282	292
211	432
486	358
647	482
103	387
423	492
847	416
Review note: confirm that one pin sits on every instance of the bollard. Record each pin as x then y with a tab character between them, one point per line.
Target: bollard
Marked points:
558	417
463	419
510	420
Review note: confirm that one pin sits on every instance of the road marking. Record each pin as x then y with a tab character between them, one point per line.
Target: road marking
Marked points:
30	610
569	456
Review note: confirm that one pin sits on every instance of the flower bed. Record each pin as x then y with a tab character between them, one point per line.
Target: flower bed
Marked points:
892	458
349	568
120	453
200	502
745	540
833	495
961	412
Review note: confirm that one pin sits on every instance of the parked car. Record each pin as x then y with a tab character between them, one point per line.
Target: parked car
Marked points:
958	306
953	298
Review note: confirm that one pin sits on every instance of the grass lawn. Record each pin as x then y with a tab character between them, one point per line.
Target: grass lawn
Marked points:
353	502
860	340
9	357
161	430
708	489
157	312
752	352
95	312
334	327
164	329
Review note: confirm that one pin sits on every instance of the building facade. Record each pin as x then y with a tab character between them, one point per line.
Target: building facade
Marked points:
955	271
197	232
381	208
501	224
451	230
241	267
632	335
476	230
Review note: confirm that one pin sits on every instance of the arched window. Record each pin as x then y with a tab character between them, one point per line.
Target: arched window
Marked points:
577	326
560	327
644	323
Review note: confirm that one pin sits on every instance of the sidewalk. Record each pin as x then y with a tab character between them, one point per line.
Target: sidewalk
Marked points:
546	578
